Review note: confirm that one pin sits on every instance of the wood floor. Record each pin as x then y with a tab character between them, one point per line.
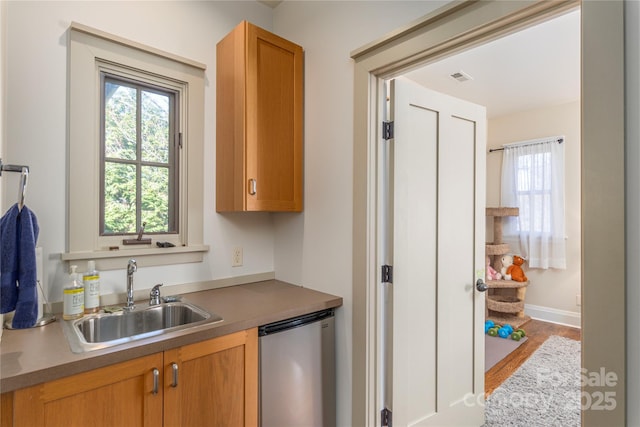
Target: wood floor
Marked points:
537	333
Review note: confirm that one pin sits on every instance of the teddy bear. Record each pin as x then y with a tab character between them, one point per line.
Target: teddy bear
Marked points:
507	261
492	274
515	270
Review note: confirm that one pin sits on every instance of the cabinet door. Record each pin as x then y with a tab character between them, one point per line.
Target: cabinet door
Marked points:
259	103
274	121
231	183
117	395
213	383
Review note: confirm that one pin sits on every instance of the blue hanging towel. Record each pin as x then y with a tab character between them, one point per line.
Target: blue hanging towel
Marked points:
18	274
9	260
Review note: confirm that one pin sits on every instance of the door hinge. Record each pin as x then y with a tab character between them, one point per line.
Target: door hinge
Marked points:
385	418
179	139
387	130
387	274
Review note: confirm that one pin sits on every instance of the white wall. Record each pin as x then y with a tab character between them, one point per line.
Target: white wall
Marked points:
3	66
552	289
632	154
3	62
36	131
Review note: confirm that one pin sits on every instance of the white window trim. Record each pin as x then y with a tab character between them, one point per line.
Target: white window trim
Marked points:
90	50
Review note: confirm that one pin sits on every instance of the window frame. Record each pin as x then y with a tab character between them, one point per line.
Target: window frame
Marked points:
173	161
92	52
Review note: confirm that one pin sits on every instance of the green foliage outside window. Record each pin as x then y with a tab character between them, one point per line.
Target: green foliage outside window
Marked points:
137	169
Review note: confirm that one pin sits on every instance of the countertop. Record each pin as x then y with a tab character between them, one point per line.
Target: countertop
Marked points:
33	356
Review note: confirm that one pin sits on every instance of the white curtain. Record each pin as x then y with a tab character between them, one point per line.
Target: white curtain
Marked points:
533	180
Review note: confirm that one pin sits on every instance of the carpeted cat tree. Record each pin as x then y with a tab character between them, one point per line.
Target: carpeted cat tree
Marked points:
505	298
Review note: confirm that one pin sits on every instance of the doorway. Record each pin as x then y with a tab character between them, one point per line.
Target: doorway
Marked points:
516	77
454	28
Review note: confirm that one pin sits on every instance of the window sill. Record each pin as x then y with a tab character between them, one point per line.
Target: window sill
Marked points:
145	257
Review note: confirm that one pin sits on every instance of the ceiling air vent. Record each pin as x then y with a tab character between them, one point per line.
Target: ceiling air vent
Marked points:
461	76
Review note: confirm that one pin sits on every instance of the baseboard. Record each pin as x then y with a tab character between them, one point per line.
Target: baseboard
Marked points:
553	315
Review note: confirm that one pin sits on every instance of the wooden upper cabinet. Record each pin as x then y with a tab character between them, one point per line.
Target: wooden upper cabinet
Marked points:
259	123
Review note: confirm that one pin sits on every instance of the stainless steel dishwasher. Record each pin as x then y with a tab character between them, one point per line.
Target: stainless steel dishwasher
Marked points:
297	371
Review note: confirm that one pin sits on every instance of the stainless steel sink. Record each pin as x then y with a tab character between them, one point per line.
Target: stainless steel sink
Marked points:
103	330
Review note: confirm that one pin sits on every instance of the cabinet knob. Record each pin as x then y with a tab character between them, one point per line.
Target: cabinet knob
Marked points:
252	187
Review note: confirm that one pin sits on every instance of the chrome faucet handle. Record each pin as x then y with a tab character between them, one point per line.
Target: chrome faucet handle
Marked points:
154	295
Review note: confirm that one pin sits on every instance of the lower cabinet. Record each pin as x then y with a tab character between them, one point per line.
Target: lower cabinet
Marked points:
210	383
121	394
213	383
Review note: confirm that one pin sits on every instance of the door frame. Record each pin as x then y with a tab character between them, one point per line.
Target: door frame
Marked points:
458	26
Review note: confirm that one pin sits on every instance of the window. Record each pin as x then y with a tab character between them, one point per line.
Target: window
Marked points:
533	187
139	158
136	143
533	181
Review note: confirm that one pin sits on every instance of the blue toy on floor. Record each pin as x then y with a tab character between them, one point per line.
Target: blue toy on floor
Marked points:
504	331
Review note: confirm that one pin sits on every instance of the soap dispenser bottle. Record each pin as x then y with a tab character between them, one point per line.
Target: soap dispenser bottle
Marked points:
73	296
91	279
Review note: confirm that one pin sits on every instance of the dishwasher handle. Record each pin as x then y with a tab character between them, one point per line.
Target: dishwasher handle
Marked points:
295	322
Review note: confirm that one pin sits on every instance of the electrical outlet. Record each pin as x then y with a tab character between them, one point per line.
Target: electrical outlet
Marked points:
578	299
236	257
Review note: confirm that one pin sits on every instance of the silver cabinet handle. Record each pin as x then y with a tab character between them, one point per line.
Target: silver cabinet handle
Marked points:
156	377
252	187
481	286
174	368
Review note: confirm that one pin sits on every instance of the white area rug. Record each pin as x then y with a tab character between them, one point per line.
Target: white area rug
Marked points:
544	391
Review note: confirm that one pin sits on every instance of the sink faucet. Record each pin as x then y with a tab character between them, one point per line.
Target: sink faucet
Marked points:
154	295
132	267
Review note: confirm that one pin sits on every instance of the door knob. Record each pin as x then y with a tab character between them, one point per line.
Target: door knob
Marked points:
481	286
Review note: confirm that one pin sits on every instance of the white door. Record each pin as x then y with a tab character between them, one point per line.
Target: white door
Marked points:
432	355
